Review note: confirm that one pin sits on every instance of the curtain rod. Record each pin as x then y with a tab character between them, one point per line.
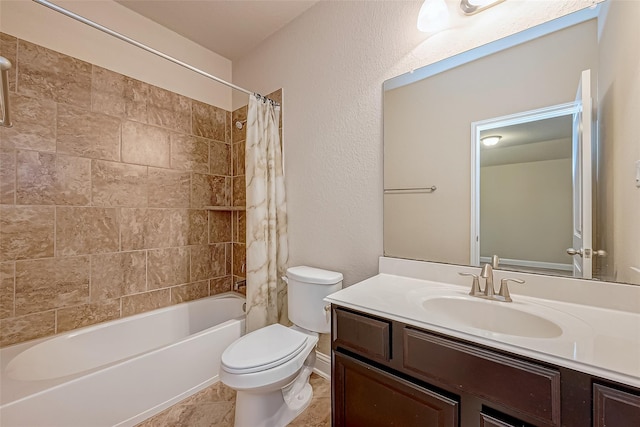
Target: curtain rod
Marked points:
145	47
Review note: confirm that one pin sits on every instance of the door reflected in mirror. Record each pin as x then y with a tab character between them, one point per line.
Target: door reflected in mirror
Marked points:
525	192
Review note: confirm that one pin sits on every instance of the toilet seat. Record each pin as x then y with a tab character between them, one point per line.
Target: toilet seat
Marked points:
263	349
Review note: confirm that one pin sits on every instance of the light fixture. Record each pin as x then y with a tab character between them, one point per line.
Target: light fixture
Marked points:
433	16
490	141
471	7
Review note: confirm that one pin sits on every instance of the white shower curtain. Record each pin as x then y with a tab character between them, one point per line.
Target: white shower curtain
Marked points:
267	243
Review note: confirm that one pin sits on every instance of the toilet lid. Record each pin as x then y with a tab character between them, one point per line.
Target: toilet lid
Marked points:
263	349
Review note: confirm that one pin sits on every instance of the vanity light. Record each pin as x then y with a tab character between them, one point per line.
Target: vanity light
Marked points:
470	7
433	16
490	141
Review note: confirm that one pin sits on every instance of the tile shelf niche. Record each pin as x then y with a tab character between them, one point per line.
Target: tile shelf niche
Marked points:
225	208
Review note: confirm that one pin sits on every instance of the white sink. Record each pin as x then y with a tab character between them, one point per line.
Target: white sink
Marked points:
493	316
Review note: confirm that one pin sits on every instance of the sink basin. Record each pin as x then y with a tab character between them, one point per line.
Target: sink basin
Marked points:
492	316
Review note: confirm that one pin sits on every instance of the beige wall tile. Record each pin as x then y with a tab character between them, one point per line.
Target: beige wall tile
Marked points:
34	124
7	176
87	314
228	250
168	267
25	328
26	232
239	191
209	121
107	92
168	188
220	285
219	227
9	49
228	125
117	274
239	259
45	73
118	184
238	158
209	190
81	230
44	178
189	292
240	227
51	283
189	153
133	224
219	158
7	289
73	181
35	178
139	303
86	134
207	262
169	110
198	227
145	145
154	228
118	95
167	227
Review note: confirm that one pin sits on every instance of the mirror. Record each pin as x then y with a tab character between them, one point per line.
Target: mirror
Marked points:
432	115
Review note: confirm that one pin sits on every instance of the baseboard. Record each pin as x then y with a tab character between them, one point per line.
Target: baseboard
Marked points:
323	365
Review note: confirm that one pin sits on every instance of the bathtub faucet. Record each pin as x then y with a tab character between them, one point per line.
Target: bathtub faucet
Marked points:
240	284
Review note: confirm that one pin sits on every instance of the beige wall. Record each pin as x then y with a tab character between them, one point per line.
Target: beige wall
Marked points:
104	183
35	23
331	63
618	112
526	211
428	126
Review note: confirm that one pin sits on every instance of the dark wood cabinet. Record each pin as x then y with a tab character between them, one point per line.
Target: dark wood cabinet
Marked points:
371	397
615	408
387	373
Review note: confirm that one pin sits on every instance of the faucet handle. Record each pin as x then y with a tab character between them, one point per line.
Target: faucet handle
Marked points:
504	288
475	286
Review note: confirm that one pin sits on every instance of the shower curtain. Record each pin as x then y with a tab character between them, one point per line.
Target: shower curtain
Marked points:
267	244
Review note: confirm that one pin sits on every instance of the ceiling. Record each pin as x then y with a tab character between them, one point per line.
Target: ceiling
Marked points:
231	28
539	140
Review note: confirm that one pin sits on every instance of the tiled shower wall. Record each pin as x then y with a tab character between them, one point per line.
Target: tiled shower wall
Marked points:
104	182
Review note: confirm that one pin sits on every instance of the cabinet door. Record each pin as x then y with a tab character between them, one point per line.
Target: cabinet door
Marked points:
365	396
615	408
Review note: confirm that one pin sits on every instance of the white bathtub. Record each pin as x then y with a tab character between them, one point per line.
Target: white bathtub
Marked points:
118	373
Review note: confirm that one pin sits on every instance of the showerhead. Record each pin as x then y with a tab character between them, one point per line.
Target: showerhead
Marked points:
239	124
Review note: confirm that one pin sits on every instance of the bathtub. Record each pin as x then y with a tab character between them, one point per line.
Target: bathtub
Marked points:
118	373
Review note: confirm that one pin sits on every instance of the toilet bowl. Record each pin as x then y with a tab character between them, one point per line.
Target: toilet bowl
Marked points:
269	368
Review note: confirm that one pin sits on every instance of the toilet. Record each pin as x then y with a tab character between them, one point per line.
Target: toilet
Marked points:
269	368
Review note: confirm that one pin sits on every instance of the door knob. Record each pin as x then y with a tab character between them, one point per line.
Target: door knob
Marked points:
600	252
572	251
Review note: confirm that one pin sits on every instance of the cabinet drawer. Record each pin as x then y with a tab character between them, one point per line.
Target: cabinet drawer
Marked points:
364	335
615	408
520	386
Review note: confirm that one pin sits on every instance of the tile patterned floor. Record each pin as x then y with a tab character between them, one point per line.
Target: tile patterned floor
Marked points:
214	406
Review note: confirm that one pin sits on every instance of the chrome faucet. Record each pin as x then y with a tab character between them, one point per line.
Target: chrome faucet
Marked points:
487	275
489	291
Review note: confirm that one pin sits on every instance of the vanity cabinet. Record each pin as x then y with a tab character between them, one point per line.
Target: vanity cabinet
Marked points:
387	373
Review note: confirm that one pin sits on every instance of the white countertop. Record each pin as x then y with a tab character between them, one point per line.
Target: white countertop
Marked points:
598	341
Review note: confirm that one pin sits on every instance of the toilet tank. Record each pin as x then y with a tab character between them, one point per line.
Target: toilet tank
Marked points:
307	288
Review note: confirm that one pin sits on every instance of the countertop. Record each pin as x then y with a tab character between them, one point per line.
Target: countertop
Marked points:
599	341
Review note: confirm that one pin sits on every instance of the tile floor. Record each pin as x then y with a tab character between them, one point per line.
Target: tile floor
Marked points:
214	406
